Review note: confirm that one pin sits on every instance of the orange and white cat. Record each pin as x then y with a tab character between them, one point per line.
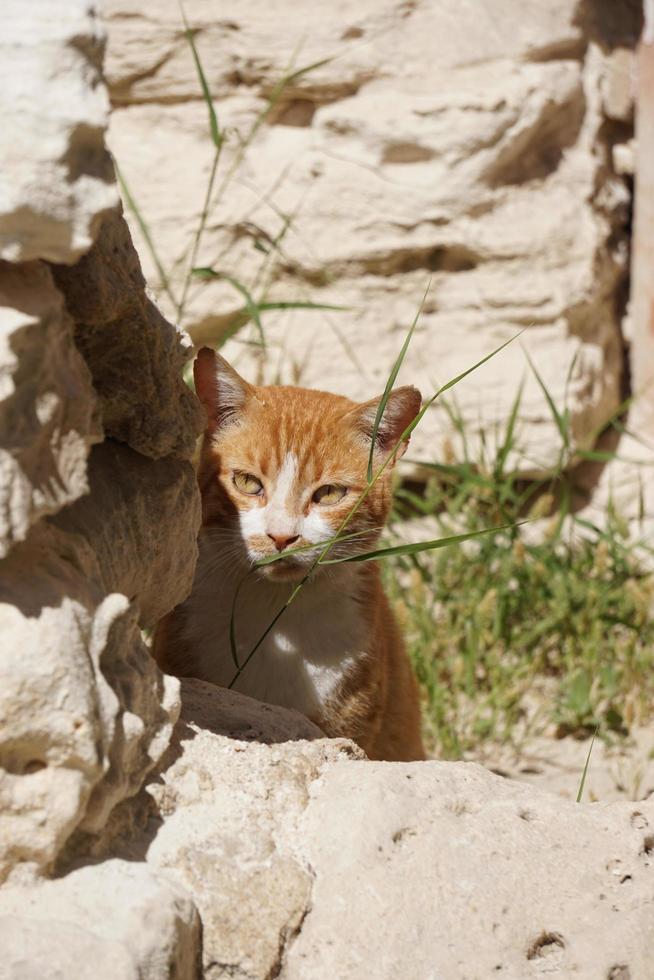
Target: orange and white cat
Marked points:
281	468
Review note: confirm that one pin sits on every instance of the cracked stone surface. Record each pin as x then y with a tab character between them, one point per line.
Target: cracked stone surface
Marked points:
482	163
308	862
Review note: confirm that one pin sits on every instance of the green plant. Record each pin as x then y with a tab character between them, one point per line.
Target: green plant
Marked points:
507	634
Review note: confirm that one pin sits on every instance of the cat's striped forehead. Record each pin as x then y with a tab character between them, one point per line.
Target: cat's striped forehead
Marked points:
311	430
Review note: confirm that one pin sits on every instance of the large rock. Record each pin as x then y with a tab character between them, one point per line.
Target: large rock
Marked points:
467	148
84	711
93	544
306	861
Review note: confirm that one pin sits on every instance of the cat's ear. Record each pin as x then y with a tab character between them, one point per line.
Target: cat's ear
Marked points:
401	408
221	390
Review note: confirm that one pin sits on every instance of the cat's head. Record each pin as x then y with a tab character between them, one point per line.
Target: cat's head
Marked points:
282	467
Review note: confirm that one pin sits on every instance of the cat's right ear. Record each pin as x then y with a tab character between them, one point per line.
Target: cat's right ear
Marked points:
221	390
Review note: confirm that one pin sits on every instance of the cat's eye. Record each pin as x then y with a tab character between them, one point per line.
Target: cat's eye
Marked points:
330	493
247	483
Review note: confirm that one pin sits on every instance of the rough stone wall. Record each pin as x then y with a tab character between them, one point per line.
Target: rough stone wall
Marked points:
482	145
98	503
231	839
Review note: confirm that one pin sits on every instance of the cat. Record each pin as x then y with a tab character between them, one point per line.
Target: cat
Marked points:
280	469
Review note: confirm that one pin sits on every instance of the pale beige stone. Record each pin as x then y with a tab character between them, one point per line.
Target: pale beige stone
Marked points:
57	177
116	921
443	869
307	861
221	804
84	711
619	84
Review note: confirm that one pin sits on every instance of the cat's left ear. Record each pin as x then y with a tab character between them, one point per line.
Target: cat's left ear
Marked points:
401	408
222	391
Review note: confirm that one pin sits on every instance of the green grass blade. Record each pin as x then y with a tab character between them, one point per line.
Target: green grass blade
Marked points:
446	387
300	305
289	552
582	783
295	75
556	415
455	471
464	374
508	443
232	624
251	304
416	547
390	381
597	455
216	135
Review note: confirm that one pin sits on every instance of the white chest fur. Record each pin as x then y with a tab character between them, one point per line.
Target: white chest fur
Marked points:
304	657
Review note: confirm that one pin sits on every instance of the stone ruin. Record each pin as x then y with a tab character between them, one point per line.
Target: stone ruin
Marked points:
154	830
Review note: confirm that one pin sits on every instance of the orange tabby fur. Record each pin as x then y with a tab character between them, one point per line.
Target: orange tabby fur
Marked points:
281	468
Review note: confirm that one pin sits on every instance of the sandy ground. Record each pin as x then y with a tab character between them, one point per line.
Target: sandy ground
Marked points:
624	771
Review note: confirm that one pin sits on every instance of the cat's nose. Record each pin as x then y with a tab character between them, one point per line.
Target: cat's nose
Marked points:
281	542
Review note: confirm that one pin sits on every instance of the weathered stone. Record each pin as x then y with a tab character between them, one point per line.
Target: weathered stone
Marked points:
476	163
306	861
47	417
57	176
84	712
115	921
618	85
221	805
446	870
89	546
225	712
135	356
140	519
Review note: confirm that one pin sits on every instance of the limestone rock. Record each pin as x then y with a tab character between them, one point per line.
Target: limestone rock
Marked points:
465	874
138	371
475	161
115	921
221	803
141	519
307	861
47	404
84	711
57	177
88	546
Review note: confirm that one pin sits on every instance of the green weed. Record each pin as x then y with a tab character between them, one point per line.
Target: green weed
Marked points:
507	620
